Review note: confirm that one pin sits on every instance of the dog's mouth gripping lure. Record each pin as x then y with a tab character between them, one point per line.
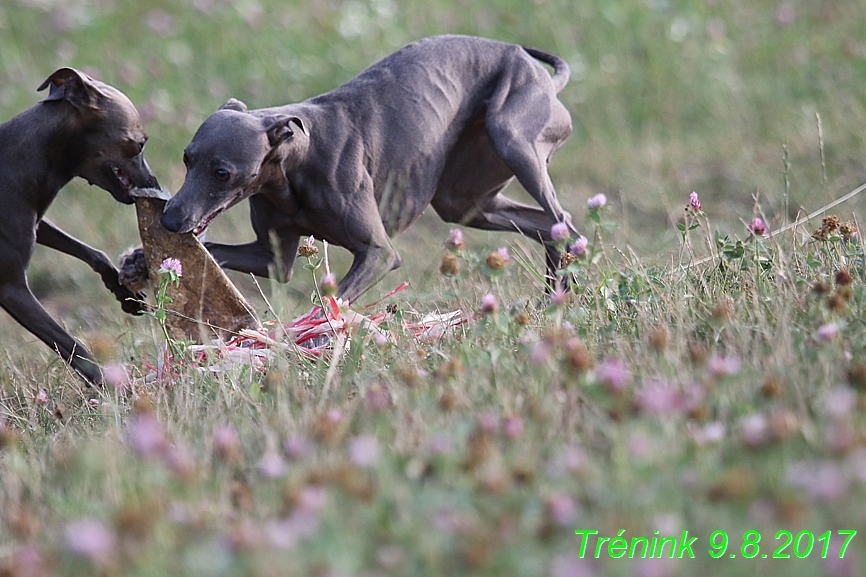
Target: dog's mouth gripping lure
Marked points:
205	302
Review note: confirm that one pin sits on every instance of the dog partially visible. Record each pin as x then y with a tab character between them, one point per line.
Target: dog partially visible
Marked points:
82	128
446	122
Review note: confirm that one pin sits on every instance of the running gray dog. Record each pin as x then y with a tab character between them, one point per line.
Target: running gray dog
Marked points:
82	128
446	121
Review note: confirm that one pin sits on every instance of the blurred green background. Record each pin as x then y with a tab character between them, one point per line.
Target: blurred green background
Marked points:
667	97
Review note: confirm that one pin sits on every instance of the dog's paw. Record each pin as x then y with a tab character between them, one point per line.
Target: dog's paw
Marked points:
133	271
132	303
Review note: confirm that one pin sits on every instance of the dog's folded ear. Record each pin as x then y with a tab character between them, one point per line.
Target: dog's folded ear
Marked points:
278	128
233	104
73	86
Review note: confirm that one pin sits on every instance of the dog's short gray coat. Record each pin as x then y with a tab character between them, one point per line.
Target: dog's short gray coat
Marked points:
82	128
446	121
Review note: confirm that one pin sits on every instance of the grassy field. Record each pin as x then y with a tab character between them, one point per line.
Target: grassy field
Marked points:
724	397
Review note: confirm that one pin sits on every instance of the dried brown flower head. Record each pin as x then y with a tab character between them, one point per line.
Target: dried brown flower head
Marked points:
772	386
448	265
843	277
836	302
658	338
820	287
577	355
829	225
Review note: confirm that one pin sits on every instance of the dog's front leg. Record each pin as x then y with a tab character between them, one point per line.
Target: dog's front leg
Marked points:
17	299
364	235
258	257
47	234
369	267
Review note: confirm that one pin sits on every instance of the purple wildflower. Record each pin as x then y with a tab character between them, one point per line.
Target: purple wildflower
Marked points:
757	227
559	296
572	459
659	397
26	560
116	375
272	465
297	446
455	239
613	374
654	567
512	426
226	443
828	331
439	444
722	365
597	201
312	498
754	429
713	432
559	231
694	202
378	396
489	304
561	509
785	14
328	286
145	435
288	532
364	450
571	565
639	445
840	401
540	353
840	566
390	557
172	265
90	538
488	421
579	246
822	480
161	22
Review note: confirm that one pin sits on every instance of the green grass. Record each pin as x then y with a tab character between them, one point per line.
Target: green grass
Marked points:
501	439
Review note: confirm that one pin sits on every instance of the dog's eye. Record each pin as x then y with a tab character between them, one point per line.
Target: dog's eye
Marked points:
221	174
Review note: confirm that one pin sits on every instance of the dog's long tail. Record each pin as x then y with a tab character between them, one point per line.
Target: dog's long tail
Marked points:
561	71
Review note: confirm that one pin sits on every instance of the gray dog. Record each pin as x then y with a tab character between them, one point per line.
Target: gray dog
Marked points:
447	121
82	128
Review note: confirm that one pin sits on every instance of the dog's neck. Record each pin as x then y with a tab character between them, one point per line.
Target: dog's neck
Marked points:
54	146
277	166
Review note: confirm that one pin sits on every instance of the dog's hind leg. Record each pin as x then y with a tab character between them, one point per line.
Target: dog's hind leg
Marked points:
525	129
501	213
47	234
17	299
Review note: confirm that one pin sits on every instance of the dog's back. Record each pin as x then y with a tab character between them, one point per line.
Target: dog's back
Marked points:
462	72
412	106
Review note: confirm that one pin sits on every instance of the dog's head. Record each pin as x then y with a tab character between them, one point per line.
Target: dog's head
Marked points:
232	156
107	134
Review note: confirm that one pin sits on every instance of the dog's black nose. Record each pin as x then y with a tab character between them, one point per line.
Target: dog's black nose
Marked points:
171	221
